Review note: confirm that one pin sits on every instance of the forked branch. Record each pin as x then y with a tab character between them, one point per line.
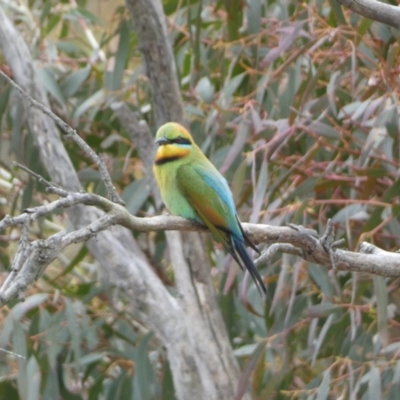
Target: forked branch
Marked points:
33	257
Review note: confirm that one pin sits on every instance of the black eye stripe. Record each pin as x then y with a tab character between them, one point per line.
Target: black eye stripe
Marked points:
181	140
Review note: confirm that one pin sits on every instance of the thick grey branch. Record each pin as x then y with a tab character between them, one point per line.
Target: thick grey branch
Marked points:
375	10
150	26
298	241
206	337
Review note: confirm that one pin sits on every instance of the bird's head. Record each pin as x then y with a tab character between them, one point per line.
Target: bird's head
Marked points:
174	142
173	133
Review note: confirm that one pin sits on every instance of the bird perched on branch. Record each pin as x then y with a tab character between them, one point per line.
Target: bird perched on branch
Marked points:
192	187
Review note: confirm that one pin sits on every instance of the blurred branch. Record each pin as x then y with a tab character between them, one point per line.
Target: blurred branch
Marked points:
375	10
141	136
43	128
71	133
32	258
149	21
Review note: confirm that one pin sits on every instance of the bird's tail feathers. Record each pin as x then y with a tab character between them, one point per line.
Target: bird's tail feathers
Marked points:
246	238
239	251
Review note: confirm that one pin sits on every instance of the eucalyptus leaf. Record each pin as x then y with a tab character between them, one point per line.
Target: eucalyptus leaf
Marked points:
49	82
74	81
35	377
323	390
205	89
135	195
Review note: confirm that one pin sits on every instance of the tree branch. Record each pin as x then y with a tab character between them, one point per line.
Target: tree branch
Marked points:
375	10
150	26
284	239
72	133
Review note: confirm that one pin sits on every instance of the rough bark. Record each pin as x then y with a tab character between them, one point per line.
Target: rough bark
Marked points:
375	10
149	21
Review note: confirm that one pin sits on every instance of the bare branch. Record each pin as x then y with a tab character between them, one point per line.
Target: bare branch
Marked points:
206	338
277	248
38	177
375	10
297	241
20	256
71	133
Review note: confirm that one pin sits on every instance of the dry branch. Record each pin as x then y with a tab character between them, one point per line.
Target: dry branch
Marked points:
141	136
73	134
375	10
32	258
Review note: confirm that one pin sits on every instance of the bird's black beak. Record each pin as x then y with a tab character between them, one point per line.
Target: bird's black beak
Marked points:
162	141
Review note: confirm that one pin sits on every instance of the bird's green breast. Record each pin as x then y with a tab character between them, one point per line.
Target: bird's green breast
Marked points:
170	191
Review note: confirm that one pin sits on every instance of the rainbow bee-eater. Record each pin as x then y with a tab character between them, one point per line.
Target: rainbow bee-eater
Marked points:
193	188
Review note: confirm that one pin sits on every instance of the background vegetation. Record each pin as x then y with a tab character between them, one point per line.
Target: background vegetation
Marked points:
297	104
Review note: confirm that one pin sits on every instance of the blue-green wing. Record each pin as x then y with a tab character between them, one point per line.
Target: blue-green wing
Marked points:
209	194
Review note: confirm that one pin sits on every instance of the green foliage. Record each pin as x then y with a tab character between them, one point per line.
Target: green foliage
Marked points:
296	102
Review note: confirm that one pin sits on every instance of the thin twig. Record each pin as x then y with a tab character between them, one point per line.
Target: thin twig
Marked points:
71	133
38	177
11	353
275	248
